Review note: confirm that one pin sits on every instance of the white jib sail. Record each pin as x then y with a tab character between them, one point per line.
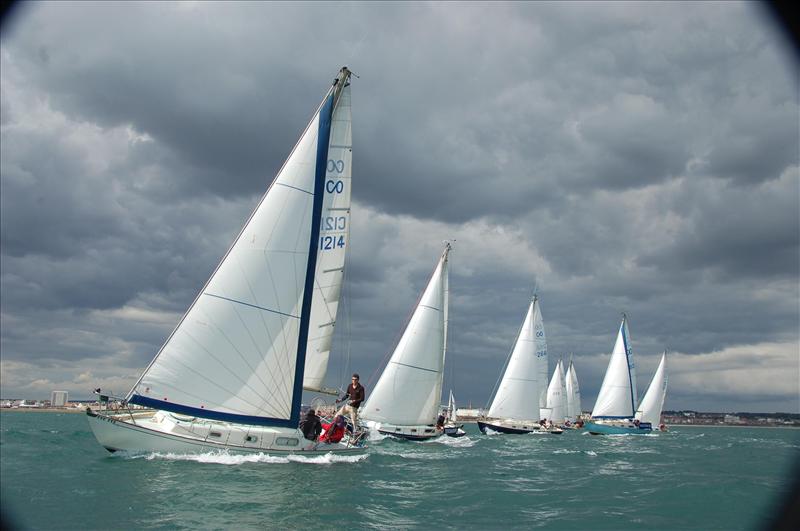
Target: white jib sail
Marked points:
573	393
617	396
451	405
517	395
650	407
556	399
334	240
409	391
234	354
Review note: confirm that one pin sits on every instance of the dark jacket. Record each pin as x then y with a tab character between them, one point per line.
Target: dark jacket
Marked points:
355	395
311	427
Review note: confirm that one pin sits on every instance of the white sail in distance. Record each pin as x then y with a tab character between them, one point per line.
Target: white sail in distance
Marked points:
517	396
653	400
239	352
409	390
573	393
617	395
556	399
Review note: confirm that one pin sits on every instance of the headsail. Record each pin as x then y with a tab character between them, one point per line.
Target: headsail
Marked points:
556	399
617	396
334	240
541	355
239	352
573	393
653	401
517	395
410	388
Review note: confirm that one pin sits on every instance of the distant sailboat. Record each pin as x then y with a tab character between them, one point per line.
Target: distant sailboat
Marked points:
515	406
557	396
232	373
451	426
614	410
573	394
649	411
405	402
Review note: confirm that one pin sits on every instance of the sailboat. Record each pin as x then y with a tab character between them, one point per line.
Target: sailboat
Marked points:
231	375
405	401
649	411
515	406
451	426
615	409
573	394
557	398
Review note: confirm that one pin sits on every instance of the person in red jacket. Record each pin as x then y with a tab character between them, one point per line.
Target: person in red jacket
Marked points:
333	432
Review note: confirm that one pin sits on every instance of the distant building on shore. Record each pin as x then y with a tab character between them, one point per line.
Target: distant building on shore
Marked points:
58	399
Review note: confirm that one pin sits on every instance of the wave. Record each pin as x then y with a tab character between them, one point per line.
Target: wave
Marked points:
225	458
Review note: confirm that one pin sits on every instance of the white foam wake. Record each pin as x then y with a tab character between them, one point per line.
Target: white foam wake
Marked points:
225	458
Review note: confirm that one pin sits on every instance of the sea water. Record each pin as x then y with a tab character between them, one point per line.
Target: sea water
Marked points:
56	476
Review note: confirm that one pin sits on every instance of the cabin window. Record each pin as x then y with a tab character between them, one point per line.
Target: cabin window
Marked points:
287	441
414	430
215	434
428	431
251	438
397	429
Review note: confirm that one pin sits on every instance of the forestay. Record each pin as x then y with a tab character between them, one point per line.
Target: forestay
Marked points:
617	396
653	400
518	392
238	354
409	390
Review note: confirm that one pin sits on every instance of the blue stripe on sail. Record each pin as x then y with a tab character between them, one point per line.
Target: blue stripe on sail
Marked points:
251	305
323	139
210	414
628	363
613	417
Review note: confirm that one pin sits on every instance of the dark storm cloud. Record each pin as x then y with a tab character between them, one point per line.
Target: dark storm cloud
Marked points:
622	157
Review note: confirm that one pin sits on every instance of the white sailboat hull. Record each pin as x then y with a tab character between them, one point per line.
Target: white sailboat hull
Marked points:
160	432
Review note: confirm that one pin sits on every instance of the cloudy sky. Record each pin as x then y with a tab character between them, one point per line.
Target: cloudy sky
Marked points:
616	156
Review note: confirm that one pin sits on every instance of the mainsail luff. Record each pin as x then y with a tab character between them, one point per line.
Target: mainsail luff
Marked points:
617	395
518	392
259	326
408	391
653	400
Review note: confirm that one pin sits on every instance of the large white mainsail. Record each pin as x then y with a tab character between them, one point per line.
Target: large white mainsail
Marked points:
653	400
239	353
409	391
617	396
517	396
556	395
573	393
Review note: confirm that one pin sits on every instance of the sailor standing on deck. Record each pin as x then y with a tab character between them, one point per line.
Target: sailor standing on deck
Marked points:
354	394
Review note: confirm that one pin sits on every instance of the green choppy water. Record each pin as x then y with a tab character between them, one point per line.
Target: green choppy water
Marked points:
55	476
